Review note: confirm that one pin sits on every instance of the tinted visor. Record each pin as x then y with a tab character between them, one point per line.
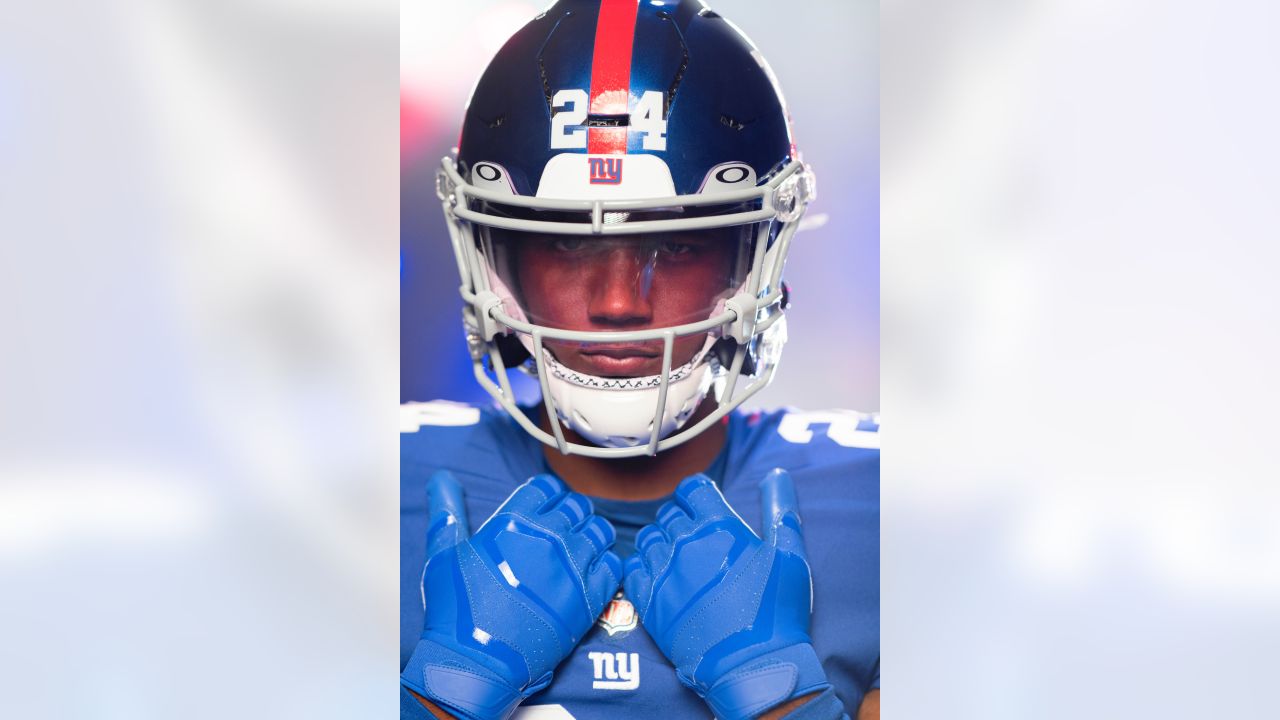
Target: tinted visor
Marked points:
620	282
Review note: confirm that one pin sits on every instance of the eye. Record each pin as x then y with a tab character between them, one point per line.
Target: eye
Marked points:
675	248
568	243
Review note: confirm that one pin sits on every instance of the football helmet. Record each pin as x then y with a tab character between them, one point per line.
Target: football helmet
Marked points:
621	204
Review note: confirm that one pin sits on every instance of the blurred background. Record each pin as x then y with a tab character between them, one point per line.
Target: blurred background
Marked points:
1080	340
826	57
198	372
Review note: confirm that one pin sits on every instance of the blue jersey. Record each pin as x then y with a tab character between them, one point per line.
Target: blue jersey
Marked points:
617	671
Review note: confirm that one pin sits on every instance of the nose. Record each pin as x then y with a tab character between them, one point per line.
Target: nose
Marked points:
620	289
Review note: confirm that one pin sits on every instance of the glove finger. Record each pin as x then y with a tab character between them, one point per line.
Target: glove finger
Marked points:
653	548
699	497
446	513
781	512
532	496
648	536
674	521
637	584
566	514
588	543
603	579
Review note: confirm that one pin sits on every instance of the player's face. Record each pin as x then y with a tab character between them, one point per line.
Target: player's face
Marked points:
626	283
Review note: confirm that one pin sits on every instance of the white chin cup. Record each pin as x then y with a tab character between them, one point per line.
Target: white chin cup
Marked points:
620	412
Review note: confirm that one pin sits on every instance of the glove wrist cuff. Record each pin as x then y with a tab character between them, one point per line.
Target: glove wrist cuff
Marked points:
462	688
766	682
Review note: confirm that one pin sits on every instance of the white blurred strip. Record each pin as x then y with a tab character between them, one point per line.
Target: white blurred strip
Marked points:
44	508
198	478
1080	346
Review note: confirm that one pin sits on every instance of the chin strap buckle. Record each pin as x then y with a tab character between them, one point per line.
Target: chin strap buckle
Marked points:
479	316
743	305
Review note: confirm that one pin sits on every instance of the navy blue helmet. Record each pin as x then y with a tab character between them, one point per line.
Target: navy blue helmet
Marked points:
713	98
650	136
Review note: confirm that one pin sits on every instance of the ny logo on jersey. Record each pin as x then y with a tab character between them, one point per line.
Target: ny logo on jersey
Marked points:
615	671
605	171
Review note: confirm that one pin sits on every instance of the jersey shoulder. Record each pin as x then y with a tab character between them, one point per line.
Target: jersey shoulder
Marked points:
455	436
811	435
828	443
414	416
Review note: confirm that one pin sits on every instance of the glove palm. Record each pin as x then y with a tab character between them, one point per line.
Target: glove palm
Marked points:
505	606
730	610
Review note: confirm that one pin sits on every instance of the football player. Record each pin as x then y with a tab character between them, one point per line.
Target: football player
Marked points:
621	206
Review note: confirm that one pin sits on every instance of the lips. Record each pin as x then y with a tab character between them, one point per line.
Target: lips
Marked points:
623	360
622	351
619	360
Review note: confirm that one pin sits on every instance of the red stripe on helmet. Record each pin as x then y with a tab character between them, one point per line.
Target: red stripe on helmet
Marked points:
611	73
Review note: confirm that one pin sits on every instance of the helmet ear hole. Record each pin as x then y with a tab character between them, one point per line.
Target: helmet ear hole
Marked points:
726	348
511	350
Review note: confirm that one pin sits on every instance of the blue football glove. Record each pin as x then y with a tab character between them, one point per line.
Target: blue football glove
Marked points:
505	606
729	610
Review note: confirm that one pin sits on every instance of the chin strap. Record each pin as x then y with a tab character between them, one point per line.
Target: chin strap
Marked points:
511	350
726	348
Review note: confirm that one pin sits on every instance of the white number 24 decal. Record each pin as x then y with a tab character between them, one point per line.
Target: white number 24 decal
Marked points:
569	112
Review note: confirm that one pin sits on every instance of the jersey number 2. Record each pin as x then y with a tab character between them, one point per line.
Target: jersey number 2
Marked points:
842	428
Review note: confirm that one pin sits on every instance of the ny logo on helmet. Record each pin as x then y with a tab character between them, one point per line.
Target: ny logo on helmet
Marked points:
605	171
